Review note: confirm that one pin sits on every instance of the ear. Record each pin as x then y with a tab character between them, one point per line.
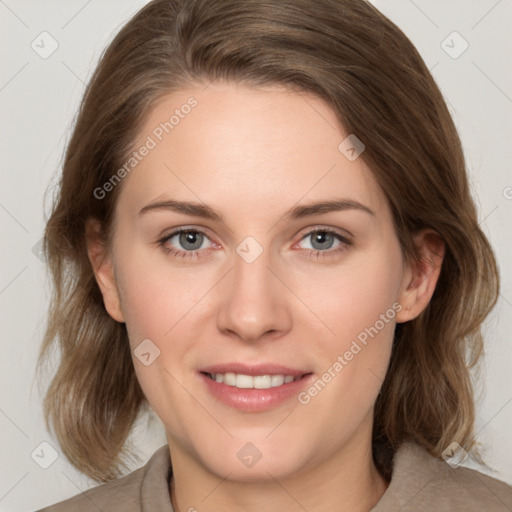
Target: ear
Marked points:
420	279
103	268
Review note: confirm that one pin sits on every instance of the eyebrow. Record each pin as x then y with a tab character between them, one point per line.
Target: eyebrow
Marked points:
297	212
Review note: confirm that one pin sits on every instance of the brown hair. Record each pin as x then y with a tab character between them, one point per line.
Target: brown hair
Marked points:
350	55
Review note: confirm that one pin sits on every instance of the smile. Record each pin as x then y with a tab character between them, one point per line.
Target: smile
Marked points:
241	381
256	388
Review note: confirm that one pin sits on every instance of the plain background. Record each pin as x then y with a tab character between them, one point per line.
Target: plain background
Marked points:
39	98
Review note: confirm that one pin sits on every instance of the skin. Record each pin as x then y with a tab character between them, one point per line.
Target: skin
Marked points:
252	154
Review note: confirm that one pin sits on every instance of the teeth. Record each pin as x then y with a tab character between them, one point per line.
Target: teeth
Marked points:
262	381
242	381
277	380
229	379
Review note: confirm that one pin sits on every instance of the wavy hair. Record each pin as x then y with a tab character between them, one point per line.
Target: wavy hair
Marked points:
354	58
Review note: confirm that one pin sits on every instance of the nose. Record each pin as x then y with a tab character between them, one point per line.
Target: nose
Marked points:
254	302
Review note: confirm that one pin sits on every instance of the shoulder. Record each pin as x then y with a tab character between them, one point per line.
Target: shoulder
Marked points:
421	482
131	493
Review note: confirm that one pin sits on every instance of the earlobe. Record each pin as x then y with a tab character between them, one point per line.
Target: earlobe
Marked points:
101	262
420	278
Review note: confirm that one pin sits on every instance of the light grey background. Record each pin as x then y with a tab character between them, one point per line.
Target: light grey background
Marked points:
39	97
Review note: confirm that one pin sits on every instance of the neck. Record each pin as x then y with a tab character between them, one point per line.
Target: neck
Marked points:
347	481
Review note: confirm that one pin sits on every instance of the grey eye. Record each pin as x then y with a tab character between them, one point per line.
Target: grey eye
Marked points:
191	240
321	240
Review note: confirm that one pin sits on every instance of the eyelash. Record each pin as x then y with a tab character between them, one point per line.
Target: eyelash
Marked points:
346	243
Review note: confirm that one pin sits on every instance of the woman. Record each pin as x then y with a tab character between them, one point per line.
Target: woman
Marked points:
264	232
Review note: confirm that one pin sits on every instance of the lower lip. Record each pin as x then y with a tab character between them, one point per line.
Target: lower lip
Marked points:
255	400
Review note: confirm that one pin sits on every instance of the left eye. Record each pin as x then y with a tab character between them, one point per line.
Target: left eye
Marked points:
323	240
191	240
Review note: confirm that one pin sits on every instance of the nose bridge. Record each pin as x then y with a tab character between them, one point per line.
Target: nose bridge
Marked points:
254	301
252	277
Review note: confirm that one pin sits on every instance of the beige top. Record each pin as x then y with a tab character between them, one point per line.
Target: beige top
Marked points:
419	483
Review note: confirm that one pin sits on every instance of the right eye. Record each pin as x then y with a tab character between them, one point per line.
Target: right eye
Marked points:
185	243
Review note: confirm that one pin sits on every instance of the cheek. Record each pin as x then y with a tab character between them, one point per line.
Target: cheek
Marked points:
155	297
159	303
357	305
351	299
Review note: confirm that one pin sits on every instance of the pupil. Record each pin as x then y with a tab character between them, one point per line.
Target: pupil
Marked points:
190	240
323	237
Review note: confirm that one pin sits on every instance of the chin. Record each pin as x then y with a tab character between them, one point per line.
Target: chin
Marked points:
265	470
259	460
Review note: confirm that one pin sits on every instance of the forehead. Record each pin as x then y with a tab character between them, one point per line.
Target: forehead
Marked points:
249	146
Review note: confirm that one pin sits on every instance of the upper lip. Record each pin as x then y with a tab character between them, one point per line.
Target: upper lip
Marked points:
258	369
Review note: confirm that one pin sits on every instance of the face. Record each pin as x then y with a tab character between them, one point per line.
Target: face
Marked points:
268	321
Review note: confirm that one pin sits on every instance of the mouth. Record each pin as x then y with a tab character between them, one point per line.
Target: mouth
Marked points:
243	381
254	388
